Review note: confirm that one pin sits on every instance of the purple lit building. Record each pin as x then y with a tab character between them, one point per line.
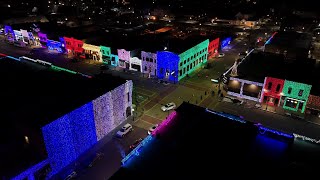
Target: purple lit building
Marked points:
63	116
149	63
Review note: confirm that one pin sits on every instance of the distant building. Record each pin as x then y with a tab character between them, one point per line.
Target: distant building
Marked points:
62	116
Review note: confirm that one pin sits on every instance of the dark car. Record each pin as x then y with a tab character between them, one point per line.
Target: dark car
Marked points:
135	144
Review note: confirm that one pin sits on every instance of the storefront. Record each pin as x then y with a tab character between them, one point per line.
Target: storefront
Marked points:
43	39
295	96
213	48
245	89
92	52
272	91
74	47
55	46
8	31
135	64
124	58
149	63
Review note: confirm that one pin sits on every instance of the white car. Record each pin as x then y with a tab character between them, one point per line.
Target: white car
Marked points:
221	55
168	107
152	128
124	130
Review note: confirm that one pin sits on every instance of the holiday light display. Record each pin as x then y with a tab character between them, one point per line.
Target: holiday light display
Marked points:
167	65
69	136
272	89
55	45
149	63
297	93
193	58
136	150
213	48
225	42
264	130
226	115
164	123
305	138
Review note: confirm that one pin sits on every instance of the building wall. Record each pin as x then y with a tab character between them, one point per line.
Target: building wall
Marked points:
167	66
124	56
296	87
110	108
225	42
313	102
72	134
69	136
135	64
272	91
74	45
213	48
149	63
245	87
193	59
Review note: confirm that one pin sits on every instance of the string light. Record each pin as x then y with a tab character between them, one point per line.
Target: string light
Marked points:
305	138
263	130
151	64
167	61
69	136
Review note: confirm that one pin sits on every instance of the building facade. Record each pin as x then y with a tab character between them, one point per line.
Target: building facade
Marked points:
193	59
272	91
213	48
246	89
167	66
149	63
74	47
55	46
92	52
135	64
295	96
124	58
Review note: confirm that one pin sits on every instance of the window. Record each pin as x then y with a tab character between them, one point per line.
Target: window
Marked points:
128	97
145	68
184	62
194	56
278	88
184	70
155	61
180	72
191	66
181	64
289	90
188	59
103	52
269	85
188	68
300	92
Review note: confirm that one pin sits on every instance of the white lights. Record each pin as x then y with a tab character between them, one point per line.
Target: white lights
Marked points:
305	138
26	138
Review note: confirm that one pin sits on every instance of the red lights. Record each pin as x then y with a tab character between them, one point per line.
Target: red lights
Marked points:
213	47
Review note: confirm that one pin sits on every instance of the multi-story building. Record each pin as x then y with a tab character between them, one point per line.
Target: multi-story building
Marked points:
213	48
149	63
62	117
74	47
181	58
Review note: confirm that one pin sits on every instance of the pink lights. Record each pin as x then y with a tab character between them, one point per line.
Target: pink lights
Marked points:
164	123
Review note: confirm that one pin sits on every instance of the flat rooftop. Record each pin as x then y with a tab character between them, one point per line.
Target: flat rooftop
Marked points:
259	65
179	46
199	144
32	96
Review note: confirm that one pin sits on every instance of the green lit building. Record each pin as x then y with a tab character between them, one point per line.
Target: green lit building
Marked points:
107	57
182	57
295	96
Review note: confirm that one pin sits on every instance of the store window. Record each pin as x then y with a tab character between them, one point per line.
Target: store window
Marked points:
300	92
269	85
278	88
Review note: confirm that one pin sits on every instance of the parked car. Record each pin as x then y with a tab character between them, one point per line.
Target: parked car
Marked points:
124	130
152	128
168	107
135	144
221	55
71	176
